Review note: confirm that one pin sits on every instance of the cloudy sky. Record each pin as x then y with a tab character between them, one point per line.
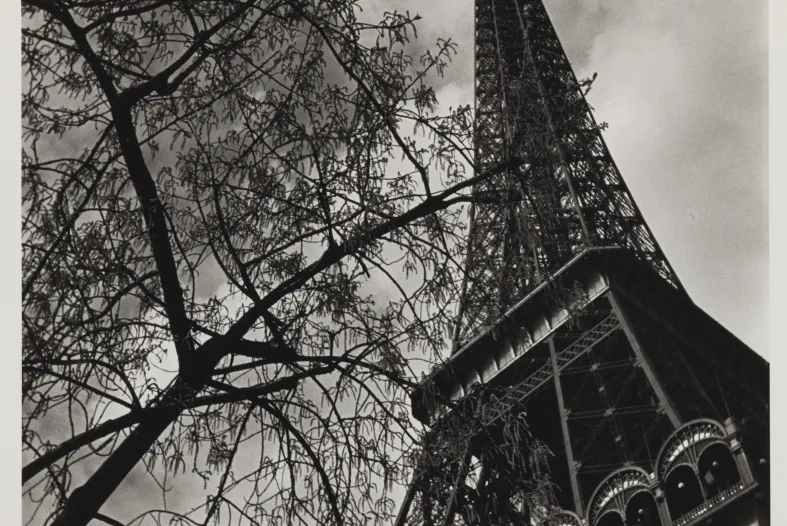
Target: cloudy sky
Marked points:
683	85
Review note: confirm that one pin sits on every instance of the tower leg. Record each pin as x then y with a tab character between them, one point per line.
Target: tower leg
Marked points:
459	481
664	400
404	510
572	467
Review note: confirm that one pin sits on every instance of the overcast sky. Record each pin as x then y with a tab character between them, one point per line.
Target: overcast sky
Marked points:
683	87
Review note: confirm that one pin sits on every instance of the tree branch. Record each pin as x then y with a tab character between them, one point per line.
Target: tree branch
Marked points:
383	112
336	253
84	47
145	187
135	401
79	384
140	416
326	482
160	82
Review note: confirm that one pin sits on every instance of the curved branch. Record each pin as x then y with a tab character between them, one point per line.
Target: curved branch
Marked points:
214	505
92	361
119	296
80	384
385	114
141	415
267	406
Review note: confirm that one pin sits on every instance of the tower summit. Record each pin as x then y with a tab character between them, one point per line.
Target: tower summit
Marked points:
575	333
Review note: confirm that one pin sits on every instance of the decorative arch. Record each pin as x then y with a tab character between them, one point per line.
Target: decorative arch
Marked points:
614	492
717	469
685	445
642	510
562	518
683	491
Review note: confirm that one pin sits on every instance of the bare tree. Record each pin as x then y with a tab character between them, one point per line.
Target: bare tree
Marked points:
232	187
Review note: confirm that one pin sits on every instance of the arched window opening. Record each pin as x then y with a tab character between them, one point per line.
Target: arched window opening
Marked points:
642	510
717	468
610	518
613	492
677	448
683	491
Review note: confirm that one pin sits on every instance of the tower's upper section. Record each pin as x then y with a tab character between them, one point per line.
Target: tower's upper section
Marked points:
568	195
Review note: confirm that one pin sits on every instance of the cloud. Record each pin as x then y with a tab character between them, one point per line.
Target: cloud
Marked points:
684	90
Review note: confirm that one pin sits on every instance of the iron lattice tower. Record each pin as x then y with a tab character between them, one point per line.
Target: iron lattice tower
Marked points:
572	320
568	195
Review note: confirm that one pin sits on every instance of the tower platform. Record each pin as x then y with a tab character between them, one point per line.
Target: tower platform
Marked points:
655	414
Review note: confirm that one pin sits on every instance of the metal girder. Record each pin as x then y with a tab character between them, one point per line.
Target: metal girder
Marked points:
564	358
576	490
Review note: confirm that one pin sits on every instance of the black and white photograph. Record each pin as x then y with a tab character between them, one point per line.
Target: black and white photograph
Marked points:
393	263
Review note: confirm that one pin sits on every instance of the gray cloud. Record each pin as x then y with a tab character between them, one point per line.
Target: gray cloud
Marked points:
683	87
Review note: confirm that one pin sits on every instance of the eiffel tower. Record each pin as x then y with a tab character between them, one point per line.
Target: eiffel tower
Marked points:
575	334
